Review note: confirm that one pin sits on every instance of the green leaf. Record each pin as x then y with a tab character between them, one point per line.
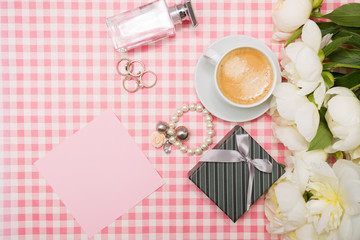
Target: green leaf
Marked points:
337	75
347	15
347	56
328	78
334	44
311	98
328	27
352	29
322	112
353	41
322	138
350	80
295	35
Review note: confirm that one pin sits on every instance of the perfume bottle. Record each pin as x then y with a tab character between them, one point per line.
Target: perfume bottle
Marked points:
148	23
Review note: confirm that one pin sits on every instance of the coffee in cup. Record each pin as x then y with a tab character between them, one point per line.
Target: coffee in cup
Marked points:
244	76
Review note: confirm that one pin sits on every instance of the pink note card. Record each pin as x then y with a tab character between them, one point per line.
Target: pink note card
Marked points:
99	173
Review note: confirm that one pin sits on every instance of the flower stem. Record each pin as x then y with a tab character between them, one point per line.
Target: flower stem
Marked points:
317	14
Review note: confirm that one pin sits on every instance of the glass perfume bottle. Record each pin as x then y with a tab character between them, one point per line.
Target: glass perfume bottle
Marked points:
148	23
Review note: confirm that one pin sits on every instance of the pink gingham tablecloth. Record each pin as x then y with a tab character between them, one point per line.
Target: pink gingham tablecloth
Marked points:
58	73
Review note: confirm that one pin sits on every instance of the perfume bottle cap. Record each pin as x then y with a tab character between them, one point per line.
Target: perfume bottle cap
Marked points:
183	11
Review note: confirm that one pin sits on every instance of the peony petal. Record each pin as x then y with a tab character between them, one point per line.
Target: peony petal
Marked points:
306	232
346	228
338	131
281	121
291	138
341	91
289	15
321	172
319	94
300	175
281	36
337	91
308	65
307	120
351	142
349	182
307	87
287	100
326	40
292	50
315	207
311	156
355	154
355	229
291	204
287	195
324	219
344	110
311	35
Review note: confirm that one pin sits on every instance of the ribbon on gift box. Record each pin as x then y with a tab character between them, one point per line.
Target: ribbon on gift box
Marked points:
240	155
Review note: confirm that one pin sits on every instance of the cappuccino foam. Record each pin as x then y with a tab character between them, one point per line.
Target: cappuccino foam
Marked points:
245	76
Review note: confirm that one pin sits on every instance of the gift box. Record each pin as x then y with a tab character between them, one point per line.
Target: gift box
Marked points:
235	173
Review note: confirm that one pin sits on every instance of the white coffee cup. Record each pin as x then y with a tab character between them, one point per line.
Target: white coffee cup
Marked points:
213	57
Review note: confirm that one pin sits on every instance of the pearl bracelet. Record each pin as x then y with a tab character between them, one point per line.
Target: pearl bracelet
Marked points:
168	133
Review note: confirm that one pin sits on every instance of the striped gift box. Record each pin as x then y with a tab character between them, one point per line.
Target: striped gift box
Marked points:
226	183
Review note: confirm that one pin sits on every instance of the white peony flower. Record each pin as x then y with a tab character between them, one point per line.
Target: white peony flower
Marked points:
334	207
302	65
331	212
296	118
289	15
343	118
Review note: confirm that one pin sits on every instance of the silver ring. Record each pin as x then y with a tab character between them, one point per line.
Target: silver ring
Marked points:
126	67
151	85
128	78
131	64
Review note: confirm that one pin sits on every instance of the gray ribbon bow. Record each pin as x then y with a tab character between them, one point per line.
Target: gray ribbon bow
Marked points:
231	156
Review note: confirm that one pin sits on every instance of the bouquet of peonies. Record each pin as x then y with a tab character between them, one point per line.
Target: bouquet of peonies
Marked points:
316	115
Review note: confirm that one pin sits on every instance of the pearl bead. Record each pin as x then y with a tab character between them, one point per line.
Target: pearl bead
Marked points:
174	118
210	125
208	118
193	107
208	140
190	152
177	144
182	133
204	146
198	151
205	111
172	125
170	132
211	133
183	149
185	108
199	107
172	139
161	126
179	112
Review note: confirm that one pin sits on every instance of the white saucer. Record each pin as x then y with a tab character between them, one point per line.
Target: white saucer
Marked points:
206	89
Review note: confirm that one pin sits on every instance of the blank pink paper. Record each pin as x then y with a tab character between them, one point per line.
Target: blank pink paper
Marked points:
99	173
